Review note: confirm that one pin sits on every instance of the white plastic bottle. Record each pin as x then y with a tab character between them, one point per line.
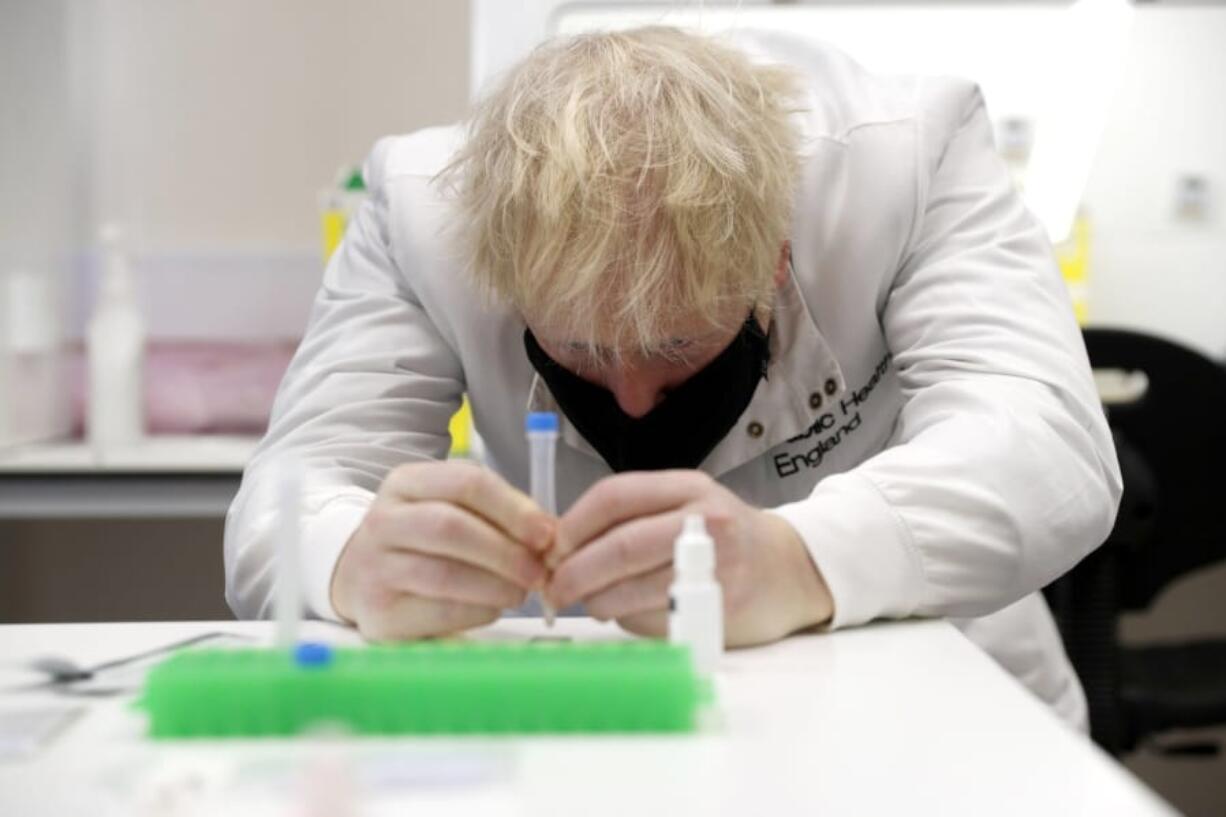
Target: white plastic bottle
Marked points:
116	416
696	603
34	402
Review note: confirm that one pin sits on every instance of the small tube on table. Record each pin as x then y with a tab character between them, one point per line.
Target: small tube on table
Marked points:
542	430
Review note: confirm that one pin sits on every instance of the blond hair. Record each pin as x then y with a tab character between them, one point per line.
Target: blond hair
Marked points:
614	181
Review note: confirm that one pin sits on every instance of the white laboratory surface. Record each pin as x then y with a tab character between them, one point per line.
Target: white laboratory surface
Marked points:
900	718
161	477
171	453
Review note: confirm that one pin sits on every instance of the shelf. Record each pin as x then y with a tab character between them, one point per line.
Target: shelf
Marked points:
169	454
165	477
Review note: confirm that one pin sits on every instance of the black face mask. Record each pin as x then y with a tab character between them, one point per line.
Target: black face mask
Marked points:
683	428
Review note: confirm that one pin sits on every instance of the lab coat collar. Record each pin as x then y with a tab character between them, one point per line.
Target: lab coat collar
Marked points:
802	381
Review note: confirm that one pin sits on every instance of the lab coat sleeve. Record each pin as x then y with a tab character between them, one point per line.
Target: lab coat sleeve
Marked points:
1000	474
372	385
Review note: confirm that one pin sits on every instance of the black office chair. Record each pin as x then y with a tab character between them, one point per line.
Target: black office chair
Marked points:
1172	448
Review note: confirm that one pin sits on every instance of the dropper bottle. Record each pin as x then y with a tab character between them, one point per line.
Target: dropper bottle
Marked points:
695	601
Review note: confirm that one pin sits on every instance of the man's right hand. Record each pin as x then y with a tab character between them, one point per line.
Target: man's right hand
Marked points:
446	546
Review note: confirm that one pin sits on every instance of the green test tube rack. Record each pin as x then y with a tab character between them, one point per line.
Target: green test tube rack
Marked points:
434	687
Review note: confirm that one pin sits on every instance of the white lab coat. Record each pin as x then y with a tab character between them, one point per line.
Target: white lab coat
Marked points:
929	424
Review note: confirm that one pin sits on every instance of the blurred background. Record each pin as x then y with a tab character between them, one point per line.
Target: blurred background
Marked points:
174	174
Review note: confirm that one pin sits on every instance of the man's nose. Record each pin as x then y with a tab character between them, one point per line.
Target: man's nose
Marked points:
636	391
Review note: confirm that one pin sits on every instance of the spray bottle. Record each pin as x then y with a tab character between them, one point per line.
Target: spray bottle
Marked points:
116	354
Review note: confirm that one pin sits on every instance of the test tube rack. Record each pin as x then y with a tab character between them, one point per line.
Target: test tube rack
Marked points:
433	687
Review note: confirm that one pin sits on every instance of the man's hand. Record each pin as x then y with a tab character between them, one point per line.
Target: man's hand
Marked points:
446	546
614	552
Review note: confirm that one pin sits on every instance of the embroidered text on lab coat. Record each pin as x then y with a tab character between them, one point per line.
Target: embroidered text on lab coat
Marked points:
835	426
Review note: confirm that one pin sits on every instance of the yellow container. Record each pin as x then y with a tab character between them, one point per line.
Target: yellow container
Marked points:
337	206
334	221
461	430
1073	255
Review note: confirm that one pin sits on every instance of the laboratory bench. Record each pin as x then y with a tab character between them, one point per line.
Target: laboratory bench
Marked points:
891	718
136	536
164	477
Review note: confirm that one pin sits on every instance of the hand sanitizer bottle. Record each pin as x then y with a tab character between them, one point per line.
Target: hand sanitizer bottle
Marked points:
116	416
696	604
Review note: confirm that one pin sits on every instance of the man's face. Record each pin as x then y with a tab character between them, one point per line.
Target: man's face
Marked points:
639	380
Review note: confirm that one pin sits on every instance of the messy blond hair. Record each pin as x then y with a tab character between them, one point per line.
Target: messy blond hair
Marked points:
613	181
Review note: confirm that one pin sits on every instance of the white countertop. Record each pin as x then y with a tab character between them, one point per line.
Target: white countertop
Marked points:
907	718
185	454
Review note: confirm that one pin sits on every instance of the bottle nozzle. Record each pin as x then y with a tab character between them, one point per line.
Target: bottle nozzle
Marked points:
694	525
694	550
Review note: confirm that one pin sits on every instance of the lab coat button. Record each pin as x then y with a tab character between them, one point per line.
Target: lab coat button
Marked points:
755	429
831	386
815	400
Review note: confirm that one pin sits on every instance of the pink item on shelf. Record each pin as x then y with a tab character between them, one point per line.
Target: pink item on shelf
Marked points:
205	387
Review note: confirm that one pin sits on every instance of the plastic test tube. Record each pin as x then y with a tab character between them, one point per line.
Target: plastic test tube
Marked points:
287	481
542	430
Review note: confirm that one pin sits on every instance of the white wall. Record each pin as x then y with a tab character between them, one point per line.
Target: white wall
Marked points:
207	127
36	122
39	168
224	118
1153	270
229	114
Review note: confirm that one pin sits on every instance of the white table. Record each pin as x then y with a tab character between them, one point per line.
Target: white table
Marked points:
906	719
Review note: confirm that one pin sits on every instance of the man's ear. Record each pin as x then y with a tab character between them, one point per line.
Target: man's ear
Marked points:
781	268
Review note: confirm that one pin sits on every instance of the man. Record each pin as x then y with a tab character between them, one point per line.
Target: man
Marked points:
759	283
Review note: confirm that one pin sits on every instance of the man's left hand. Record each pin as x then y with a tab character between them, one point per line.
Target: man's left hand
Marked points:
614	552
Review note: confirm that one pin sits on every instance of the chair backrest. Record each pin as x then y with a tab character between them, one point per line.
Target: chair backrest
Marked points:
1172	445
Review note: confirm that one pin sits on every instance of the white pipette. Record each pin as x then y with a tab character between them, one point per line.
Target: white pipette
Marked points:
287	481
542	430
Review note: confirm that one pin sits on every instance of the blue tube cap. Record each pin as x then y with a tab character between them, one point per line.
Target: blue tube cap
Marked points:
541	421
311	654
